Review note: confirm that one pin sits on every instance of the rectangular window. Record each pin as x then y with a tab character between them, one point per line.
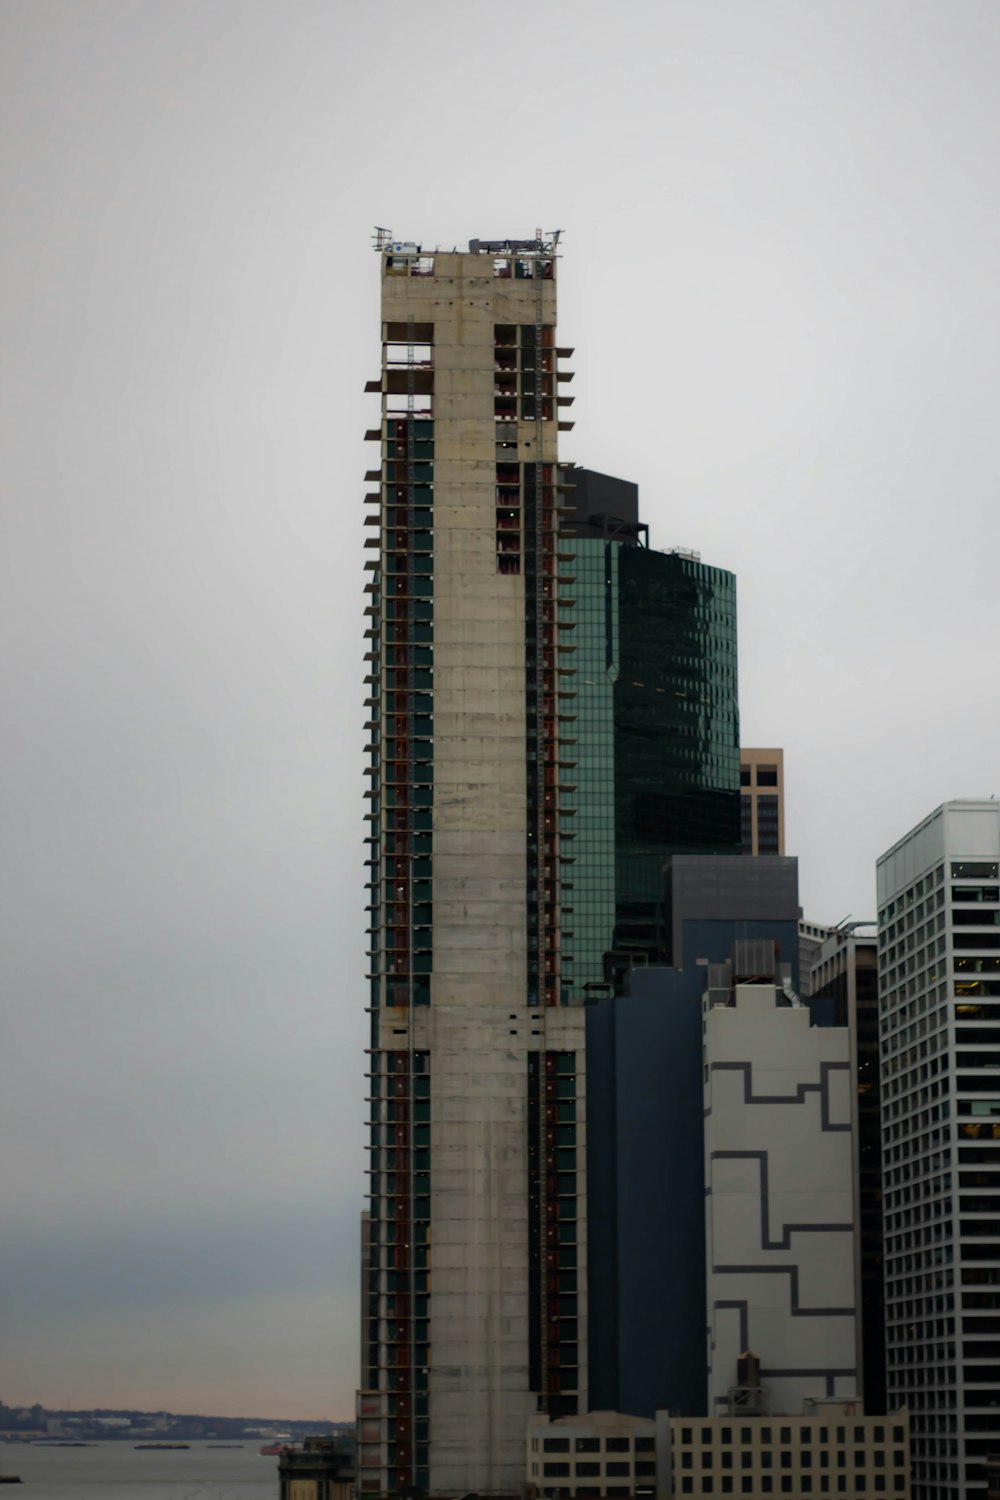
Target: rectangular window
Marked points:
975	893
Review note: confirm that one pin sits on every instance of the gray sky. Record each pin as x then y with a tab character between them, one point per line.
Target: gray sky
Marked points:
782	230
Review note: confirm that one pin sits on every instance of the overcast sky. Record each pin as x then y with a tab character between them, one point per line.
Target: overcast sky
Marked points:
782	234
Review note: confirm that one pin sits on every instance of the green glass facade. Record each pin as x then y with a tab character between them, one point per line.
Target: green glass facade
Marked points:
596	641
658	741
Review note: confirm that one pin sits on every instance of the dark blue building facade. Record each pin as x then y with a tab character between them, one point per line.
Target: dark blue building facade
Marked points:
645	1143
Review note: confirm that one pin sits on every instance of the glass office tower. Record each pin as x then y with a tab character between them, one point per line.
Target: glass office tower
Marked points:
657	730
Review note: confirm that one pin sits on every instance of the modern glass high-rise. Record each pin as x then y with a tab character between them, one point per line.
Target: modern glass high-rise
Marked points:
656	733
939	1002
476	1317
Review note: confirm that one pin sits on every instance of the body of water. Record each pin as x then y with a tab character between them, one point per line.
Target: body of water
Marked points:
117	1471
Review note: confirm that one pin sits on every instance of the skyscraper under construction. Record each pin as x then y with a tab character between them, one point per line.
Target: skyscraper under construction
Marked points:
474	1312
534	670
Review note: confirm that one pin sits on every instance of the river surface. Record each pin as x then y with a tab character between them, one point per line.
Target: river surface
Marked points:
117	1471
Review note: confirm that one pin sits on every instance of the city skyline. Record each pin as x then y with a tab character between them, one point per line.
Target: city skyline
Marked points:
806	400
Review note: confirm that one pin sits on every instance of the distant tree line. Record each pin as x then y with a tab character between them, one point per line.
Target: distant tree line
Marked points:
193	1424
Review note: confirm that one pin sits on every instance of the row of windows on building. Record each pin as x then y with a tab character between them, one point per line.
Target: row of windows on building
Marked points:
751	1458
964	965
592	1470
786	1484
766	776
594	1444
800	1436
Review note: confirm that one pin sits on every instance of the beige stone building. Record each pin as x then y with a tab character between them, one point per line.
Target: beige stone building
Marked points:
832	1449
762	801
602	1453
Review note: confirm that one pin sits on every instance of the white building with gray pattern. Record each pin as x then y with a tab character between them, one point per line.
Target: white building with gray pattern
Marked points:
778	1200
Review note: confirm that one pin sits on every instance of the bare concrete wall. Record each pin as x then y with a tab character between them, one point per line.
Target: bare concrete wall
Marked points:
478	1028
